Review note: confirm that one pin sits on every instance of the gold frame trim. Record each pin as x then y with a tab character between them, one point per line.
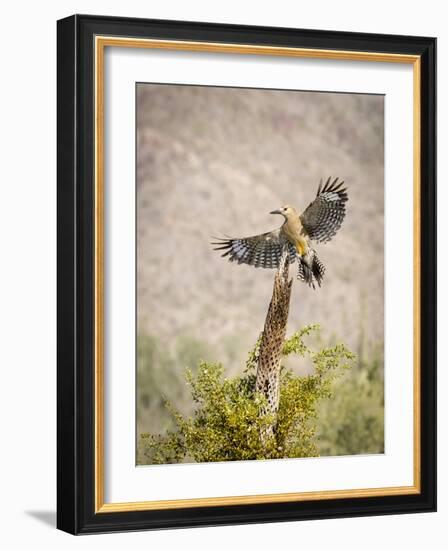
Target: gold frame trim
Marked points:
101	42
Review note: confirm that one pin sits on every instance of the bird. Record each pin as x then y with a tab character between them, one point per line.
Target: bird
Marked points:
319	222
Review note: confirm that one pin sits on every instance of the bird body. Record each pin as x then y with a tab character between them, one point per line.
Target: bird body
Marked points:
319	222
292	230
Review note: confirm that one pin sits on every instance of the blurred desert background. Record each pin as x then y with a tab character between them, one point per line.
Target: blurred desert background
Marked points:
215	161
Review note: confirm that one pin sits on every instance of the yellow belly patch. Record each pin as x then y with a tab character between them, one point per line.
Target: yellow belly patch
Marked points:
301	247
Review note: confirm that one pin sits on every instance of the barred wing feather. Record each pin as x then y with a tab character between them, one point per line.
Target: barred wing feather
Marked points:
324	216
263	250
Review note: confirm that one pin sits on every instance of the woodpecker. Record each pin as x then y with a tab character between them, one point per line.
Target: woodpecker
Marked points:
319	222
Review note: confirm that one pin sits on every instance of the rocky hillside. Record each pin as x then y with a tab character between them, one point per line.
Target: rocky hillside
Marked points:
216	161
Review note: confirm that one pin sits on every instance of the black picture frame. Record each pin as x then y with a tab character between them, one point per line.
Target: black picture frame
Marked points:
76	512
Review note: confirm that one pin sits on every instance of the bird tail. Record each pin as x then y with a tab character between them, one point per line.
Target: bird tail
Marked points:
310	269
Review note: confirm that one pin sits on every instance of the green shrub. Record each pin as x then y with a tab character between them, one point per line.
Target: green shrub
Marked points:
353	421
228	422
158	377
155	380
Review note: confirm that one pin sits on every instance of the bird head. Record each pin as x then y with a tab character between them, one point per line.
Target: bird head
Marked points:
286	211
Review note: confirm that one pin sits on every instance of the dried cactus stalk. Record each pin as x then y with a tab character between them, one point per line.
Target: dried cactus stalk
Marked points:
273	337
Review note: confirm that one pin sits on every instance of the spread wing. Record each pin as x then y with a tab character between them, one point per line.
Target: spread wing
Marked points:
263	250
324	216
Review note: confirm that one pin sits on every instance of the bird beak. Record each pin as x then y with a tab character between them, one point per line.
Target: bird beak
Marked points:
275	212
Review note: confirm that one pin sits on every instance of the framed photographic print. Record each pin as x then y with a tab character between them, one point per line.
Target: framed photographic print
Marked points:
246	274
